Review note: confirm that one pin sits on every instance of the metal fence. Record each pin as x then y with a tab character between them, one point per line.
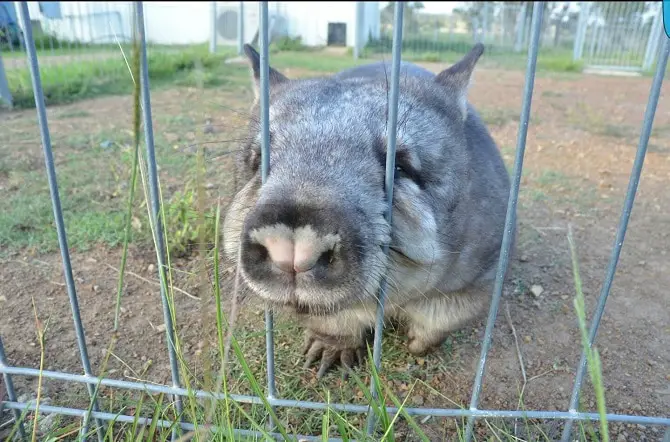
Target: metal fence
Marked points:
81	39
622	35
96	417
614	35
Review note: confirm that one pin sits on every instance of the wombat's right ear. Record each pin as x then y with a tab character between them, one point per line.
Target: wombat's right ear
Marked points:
255	62
457	77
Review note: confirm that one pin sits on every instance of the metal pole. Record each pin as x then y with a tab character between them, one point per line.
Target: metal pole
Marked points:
390	176
652	43
212	25
578	47
265	167
623	224
240	30
510	219
520	27
5	93
358	34
11	395
55	200
152	173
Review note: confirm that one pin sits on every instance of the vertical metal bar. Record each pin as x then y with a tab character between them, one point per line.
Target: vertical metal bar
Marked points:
623	222
578	45
602	32
265	167
637	44
240	29
9	386
655	34
55	200
627	33
390	175
622	31
520	26
510	218
155	206
358	31
5	93
212	28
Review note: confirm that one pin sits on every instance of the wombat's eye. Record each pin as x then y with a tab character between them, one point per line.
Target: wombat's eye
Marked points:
254	160
409	173
400	172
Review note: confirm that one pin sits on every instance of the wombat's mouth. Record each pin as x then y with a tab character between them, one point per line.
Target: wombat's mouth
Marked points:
302	308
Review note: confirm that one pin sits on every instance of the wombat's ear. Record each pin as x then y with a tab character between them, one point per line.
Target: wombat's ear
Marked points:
457	77
255	62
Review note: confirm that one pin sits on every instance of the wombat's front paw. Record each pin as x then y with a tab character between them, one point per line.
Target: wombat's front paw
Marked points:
421	342
332	349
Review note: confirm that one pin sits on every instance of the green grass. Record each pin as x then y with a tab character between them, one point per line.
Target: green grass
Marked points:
451	50
88	78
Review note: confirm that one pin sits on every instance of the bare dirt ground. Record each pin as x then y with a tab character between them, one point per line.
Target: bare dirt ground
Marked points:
581	145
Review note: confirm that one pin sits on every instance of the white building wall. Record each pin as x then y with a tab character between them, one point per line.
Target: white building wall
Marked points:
190	22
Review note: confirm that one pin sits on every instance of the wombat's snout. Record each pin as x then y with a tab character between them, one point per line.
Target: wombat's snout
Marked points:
293	250
298	251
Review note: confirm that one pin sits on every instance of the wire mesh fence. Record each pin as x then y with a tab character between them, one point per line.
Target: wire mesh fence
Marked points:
492	23
80	41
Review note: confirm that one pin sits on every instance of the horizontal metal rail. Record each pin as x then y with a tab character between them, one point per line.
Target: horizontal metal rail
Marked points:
162	423
350	408
347	408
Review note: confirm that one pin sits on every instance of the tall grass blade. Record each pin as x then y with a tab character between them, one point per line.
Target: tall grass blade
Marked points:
591	353
137	118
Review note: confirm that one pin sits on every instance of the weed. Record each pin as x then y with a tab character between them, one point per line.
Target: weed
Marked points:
183	229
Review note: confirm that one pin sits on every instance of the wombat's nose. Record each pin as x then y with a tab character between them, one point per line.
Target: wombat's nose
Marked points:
292	255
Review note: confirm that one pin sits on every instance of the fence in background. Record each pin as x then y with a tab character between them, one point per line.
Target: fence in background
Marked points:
81	39
615	35
96	417
623	35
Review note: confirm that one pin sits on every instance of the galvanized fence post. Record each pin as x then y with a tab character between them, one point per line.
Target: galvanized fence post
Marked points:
240	29
55	200
5	93
11	394
212	28
623	223
388	185
265	169
655	35
157	220
578	45
510	218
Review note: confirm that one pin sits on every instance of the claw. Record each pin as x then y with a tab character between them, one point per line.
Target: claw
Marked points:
360	354
330	355
315	349
348	359
313	353
308	344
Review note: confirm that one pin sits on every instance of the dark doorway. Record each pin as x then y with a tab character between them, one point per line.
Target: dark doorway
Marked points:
337	34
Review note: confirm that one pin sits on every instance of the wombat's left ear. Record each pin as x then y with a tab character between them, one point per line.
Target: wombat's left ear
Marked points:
457	77
255	62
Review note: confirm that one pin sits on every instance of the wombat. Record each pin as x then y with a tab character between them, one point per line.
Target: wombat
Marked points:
311	239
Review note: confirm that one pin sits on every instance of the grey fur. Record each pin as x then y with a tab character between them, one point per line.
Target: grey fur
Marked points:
327	163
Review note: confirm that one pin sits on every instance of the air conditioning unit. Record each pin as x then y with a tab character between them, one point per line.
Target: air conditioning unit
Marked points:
227	21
